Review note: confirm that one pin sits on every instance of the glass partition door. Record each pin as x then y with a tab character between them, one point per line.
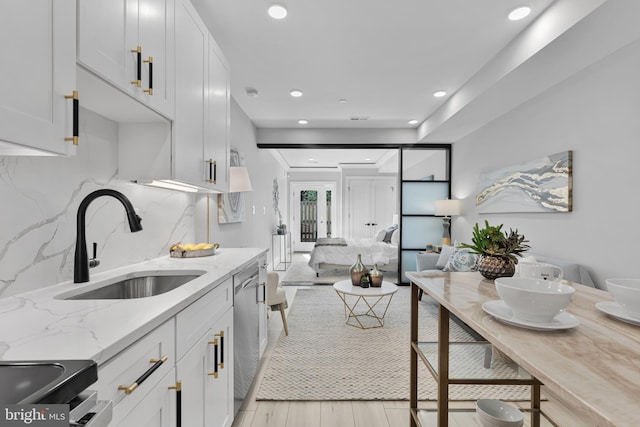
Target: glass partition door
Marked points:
425	178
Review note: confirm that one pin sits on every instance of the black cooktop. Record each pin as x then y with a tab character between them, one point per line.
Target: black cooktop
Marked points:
45	381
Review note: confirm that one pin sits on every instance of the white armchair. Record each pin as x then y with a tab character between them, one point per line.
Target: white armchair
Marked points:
277	296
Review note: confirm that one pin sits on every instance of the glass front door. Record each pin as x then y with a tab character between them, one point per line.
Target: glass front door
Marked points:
313	214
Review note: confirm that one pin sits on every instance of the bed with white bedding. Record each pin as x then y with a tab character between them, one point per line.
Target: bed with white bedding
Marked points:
338	253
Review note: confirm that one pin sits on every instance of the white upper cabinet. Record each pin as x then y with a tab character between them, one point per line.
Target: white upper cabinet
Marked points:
216	145
130	44
189	130
37	46
201	126
194	148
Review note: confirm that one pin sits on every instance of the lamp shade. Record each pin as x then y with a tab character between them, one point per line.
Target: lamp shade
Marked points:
447	207
239	179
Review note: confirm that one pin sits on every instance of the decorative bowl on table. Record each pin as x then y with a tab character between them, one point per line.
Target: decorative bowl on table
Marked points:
534	300
192	250
626	293
495	413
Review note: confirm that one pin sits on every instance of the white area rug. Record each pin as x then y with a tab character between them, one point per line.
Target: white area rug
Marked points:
324	359
299	272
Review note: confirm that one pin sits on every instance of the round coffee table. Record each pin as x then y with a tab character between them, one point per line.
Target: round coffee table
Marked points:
365	308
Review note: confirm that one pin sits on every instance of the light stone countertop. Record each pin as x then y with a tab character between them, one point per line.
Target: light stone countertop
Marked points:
593	368
37	326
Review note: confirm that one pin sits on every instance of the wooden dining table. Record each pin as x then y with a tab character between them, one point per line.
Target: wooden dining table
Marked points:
592	368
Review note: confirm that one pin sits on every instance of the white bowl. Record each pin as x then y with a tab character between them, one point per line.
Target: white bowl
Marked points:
627	294
495	413
534	300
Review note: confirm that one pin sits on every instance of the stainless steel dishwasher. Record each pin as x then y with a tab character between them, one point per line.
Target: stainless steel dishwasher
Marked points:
246	339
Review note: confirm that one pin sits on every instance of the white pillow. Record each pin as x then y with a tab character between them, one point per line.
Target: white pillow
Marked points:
462	260
380	235
445	254
395	238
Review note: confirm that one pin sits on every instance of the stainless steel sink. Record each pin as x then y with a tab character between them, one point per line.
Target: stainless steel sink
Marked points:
31	382
138	285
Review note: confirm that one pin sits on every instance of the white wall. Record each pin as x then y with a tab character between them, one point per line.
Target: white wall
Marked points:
40	198
595	113
256	230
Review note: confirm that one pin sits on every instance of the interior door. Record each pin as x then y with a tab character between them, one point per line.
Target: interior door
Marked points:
384	198
313	213
372	203
360	209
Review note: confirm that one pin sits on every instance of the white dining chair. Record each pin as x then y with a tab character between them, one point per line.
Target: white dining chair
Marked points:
276	296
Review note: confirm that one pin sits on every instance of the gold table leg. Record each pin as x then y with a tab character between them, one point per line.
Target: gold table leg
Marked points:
349	310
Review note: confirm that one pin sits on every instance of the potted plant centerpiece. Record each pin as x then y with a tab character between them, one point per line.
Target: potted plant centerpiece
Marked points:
498	250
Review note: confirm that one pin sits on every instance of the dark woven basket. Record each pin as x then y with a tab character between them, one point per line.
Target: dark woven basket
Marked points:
494	267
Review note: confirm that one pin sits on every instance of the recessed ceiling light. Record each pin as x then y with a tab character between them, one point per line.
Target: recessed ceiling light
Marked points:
413	122
277	11
312	160
519	13
439	93
296	93
302	122
342	101
367	159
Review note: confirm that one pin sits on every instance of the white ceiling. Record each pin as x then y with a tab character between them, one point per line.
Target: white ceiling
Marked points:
386	58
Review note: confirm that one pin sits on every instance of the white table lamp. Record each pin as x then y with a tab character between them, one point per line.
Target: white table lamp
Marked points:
447	208
239	179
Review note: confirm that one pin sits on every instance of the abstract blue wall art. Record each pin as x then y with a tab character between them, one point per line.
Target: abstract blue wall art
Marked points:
541	185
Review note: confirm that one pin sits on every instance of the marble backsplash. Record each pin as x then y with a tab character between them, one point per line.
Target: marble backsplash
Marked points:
40	198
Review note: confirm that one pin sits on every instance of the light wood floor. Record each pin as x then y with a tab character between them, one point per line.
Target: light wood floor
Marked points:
360	413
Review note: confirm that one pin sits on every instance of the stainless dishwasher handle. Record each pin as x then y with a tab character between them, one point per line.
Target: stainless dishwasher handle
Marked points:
248	281
264	293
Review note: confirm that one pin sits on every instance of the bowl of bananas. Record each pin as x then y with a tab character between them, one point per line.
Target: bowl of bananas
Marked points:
192	250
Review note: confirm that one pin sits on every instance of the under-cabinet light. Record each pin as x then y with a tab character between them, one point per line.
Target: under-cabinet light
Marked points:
172	185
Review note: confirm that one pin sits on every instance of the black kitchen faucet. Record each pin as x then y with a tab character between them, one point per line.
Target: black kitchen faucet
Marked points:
81	260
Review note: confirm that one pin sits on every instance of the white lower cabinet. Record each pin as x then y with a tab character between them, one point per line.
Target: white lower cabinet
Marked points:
157	409
206	374
151	359
185	363
192	371
219	388
205	359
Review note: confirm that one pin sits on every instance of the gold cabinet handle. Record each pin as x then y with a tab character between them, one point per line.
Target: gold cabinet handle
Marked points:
218	363
150	62
212	171
138	52
128	389
178	389
215	358
76	117
221	336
